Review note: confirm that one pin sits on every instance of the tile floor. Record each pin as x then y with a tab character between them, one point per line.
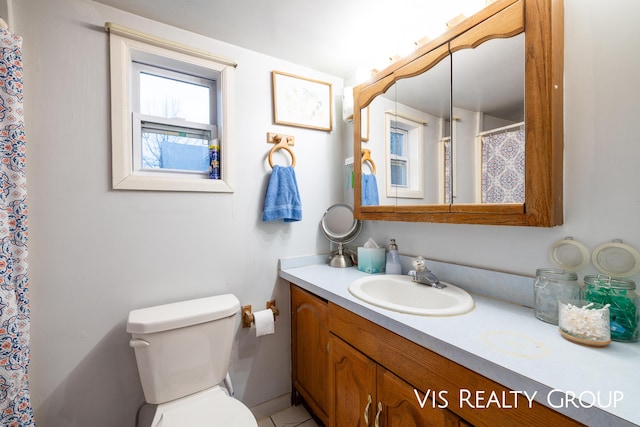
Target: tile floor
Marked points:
294	416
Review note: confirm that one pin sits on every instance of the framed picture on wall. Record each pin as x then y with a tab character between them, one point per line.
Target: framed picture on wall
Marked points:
302	102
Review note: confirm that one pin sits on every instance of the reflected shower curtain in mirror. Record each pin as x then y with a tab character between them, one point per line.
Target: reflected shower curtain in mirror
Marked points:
447	179
15	405
503	163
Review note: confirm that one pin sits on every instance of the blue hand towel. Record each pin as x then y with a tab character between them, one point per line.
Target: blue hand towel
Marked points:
369	190
282	200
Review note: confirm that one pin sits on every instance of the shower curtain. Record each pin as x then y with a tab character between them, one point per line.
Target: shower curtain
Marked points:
503	167
448	170
15	405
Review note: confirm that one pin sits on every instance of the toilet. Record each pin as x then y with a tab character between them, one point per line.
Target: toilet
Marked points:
183	351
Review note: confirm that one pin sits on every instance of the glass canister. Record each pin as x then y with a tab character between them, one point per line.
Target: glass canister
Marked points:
584	322
550	285
623	300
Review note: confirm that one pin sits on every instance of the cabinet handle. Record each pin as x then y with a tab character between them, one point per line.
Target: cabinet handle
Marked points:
366	411
377	424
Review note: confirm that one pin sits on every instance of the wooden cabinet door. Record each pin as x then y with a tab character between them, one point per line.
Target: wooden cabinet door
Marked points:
309	350
352	380
401	407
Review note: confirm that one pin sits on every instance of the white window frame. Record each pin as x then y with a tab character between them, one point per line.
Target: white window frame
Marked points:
127	46
414	156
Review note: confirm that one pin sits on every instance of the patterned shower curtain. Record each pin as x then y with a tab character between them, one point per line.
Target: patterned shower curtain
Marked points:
503	167
15	405
448	171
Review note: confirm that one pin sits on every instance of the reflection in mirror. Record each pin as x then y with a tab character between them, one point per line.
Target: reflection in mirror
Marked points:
459	196
408	126
339	226
488	158
410	130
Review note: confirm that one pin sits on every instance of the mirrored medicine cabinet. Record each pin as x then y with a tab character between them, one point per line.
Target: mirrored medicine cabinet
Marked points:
468	129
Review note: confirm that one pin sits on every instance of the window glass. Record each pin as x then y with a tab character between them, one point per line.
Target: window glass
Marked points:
397	142
398	173
174	106
176	148
171	98
397	148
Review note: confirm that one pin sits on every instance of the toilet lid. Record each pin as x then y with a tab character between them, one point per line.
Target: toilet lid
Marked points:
209	408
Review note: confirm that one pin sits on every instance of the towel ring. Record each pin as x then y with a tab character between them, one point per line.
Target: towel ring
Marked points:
366	157
284	146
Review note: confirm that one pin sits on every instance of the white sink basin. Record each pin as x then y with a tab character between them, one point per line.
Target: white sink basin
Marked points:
399	293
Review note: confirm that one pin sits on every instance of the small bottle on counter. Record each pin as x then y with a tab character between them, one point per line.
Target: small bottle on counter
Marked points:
393	265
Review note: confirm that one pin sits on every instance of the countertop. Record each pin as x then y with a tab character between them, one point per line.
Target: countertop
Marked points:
504	342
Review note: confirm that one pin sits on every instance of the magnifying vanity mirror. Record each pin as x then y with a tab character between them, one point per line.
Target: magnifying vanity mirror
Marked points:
469	127
339	226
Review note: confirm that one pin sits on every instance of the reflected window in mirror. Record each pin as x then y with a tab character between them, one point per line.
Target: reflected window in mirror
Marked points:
398	157
403	146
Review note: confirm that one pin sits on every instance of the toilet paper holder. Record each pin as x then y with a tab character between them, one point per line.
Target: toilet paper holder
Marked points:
247	314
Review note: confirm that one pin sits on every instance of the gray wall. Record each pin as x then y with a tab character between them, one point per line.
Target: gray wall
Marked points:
96	253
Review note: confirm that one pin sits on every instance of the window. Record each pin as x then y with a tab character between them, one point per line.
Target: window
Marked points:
173	121
397	156
170	106
404	140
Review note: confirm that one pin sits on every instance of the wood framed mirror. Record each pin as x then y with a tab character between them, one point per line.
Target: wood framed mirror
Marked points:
538	25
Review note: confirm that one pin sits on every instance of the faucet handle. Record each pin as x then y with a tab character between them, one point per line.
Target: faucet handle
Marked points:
419	264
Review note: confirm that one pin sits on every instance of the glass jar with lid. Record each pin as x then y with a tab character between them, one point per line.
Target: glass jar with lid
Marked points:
551	285
623	300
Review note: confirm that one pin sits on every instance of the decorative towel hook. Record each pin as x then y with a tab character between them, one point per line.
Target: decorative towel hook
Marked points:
366	157
282	142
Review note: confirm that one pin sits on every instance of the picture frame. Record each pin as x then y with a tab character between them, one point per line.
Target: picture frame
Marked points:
302	102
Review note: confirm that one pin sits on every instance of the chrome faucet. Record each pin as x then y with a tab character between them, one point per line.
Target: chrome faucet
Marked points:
422	275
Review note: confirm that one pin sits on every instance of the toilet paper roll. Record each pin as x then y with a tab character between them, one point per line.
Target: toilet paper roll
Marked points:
265	323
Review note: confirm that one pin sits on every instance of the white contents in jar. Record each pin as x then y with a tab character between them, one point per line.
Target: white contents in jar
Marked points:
584	322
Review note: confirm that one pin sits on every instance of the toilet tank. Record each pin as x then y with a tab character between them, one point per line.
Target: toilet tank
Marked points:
184	347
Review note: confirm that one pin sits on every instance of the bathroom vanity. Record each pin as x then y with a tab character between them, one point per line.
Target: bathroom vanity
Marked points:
357	364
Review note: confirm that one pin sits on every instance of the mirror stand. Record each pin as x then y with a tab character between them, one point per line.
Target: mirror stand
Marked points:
339	226
339	259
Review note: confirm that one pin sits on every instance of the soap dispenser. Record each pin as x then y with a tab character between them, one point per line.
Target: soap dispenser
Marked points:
393	265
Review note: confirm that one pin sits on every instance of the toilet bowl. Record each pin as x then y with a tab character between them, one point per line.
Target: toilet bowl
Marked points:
211	407
183	351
